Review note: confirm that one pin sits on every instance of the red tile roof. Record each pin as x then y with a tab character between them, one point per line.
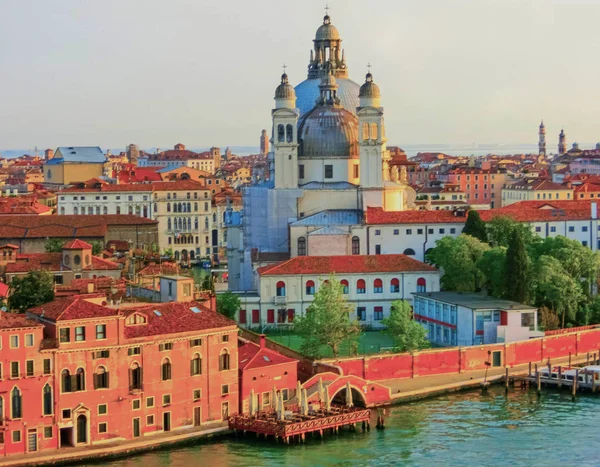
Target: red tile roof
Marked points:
77	244
180	185
16	320
3	290
101	264
252	356
72	308
175	318
119	245
22	206
36	261
536	184
344	265
158	269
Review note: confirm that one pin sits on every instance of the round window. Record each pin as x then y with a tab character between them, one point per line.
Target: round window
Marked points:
67	259
77	260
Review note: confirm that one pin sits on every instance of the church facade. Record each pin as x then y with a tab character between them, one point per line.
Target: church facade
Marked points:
328	153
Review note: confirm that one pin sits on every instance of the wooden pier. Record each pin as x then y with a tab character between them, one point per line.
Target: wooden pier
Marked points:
295	426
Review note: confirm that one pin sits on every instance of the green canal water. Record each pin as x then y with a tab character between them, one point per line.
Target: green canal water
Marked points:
465	429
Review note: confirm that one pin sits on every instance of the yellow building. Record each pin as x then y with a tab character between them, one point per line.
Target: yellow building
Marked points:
74	164
535	190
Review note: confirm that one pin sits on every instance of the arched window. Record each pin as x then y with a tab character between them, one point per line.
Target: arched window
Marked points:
196	223
378	286
47	400
135	376
196	365
280	133
65	381
344	284
97	210
394	285
180	223
361	286
138	210
224	360
80	380
75	210
310	288
365	131
301	246
119	209
373	130
90	210
206	222
206	207
166	370
101	378
289	133
355	245
16	403
188	207
409	252
169	223
105	210
168	207
421	285
280	289
196	206
214	217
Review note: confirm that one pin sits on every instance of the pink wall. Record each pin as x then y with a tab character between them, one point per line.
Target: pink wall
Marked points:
455	359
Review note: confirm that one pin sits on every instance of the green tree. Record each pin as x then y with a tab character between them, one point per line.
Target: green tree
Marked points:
327	320
475	227
228	304
458	257
517	269
408	335
493	266
168	253
208	283
501	228
97	247
54	245
33	289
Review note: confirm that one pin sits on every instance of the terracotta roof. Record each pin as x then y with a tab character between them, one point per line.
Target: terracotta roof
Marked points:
10	245
76	307
344	265
77	244
180	185
100	264
536	184
252	356
119	245
22	206
158	269
65	226
3	290
17	320
36	261
175	318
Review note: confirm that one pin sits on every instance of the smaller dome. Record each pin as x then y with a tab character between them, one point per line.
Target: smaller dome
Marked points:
285	90
369	89
327	31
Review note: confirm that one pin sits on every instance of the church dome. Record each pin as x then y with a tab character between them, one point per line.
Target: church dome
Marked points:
327	31
369	88
308	90
285	90
329	132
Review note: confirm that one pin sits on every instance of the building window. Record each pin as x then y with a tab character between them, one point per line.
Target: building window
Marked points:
377	232
421	285
280	289
102	427
452	230
28	340
396	231
224	360
48	432
361	287
442	231
80	334
47	367
571	228
538	229
361	313
166	370
165	345
378	286
377	249
328	171
553	229
301	171
101	380
197	394
134	351
355	245
419	231
16	436
301	246
14	370
102	409
136	404
409	252
378	313
149	420
135	376
355	171
47	400
196	365
344	284
80	380
14	342
224	389
408	231
65	378
29	371
16	402
395	285
195	342
150	402
584	228
101	331
310	288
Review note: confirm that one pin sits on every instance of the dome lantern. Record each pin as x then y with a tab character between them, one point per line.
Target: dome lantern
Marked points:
285	96
369	94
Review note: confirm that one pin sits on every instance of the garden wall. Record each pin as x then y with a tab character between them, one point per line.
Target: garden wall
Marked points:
459	359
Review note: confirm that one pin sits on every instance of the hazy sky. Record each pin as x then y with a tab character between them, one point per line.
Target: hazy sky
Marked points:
203	72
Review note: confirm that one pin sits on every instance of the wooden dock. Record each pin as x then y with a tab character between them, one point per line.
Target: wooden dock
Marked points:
295	426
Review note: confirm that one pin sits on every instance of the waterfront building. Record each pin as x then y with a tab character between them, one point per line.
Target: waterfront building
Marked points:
532	189
371	283
179	156
30	233
74	164
463	319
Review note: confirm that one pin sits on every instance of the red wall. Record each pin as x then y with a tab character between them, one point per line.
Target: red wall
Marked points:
454	360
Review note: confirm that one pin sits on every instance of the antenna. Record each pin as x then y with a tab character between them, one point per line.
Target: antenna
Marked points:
327	9
369	67
284	67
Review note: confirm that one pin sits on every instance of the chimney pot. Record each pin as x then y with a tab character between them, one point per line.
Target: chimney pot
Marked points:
262	341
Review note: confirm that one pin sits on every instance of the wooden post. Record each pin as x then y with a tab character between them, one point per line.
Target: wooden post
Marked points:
569	359
593	382
587	359
529	374
538	380
559	377
575	381
506	381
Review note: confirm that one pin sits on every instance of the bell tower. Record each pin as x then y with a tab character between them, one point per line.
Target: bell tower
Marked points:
285	136
562	143
542	139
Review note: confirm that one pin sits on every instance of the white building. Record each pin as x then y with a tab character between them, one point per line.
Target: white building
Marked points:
463	319
371	283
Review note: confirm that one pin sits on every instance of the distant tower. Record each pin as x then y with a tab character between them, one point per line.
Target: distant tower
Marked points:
264	142
132	154
285	135
562	143
597	146
542	139
49	154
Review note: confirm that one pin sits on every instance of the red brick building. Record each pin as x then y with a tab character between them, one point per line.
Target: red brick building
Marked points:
75	372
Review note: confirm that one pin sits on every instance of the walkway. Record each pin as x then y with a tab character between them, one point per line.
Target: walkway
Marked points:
114	449
404	390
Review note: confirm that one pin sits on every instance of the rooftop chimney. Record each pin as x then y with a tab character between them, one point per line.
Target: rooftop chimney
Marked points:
262	341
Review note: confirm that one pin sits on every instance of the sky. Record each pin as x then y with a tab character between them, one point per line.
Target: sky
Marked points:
203	72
